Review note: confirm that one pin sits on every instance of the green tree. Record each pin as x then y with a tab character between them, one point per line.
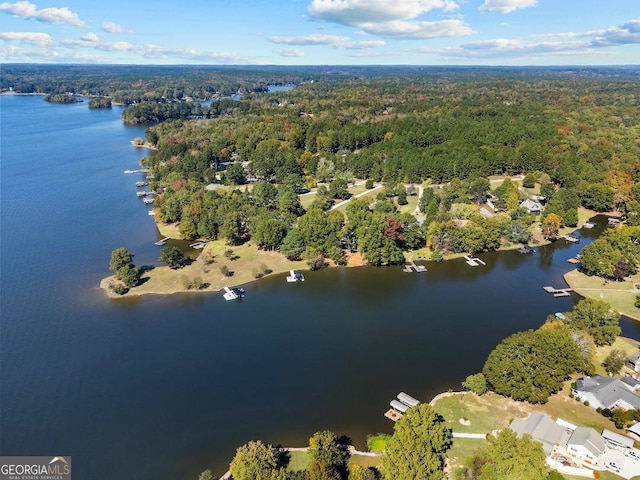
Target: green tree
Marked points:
268	233
120	257
265	194
232	228
531	365
417	447
129	275
476	383
292	246
324	448
235	174
551	225
173	257
614	361
254	461
597	318
206	475
360	472
507	457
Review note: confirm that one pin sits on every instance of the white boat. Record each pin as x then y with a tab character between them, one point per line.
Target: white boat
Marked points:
589	225
151	213
141	184
295	277
142	194
148	200
233	293
560	315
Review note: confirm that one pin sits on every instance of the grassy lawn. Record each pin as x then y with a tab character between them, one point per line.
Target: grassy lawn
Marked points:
301	460
461	449
411	206
298	461
377	443
620	295
627	345
370	195
249	260
307	199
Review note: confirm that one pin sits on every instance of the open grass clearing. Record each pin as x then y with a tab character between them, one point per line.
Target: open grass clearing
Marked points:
461	449
248	262
620	295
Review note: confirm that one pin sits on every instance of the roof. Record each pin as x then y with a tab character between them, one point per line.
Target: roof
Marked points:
589	439
541	428
617	438
608	391
634	358
632	382
635	428
531	205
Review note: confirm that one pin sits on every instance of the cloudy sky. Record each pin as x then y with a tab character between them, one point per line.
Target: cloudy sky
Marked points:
314	32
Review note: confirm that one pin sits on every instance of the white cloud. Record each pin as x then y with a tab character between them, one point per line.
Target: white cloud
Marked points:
335	41
34	38
627	33
509	48
314	39
506	6
396	19
357	12
418	30
290	52
53	15
111	27
90	37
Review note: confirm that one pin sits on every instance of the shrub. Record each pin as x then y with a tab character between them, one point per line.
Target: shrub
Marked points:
368	184
228	253
586	403
225	271
120	289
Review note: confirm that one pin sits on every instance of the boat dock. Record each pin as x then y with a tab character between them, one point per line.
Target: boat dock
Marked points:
573	260
400	405
144	170
233	293
148	200
613	222
141	184
411	266
572	238
526	250
295	277
163	241
474	262
198	245
589	225
143	193
558	292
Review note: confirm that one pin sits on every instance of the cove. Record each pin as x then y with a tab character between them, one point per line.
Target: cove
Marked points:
164	387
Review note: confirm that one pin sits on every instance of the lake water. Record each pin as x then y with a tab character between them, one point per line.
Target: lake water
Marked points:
164	387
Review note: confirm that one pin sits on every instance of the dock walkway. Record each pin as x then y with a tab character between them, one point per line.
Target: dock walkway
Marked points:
558	292
413	265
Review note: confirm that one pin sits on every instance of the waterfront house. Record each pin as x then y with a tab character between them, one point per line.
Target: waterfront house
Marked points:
542	429
603	392
586	444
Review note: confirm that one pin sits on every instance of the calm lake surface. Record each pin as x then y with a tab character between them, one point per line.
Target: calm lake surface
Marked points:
164	387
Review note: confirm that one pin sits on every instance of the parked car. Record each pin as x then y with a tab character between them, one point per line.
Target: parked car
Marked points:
633	454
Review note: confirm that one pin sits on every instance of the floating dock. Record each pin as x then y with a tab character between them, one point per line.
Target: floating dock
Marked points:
393	415
198	245
572	238
144	170
474	262
163	241
151	213
233	293
573	260
411	266
141	184
295	277
526	250
558	292
148	200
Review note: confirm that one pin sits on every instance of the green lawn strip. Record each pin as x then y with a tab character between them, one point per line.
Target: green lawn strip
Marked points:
369	195
461	449
484	413
301	460
357	189
249	261
378	442
411	206
626	345
604	475
307	199
618	294
298	461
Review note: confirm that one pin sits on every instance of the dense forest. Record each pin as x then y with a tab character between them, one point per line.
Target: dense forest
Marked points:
576	139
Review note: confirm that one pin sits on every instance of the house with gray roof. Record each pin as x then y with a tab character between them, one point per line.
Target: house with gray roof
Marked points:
604	392
531	207
542	429
586	444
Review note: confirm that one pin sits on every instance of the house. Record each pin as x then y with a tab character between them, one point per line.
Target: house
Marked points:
616	440
603	392
631	383
586	444
633	362
542	429
532	207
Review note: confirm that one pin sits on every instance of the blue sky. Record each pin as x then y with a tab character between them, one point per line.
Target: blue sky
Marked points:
318	32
